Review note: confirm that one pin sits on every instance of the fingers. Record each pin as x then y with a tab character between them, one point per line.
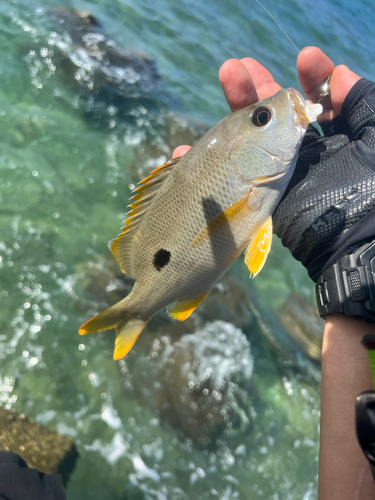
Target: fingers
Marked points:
238	86
313	67
180	151
263	80
246	81
342	81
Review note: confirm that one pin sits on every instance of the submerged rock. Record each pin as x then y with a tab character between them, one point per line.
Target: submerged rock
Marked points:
96	60
150	152
302	322
42	448
104	284
199	383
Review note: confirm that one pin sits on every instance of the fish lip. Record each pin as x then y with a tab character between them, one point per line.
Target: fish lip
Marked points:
304	111
268	179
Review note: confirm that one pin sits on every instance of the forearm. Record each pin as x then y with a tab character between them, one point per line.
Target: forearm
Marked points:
344	472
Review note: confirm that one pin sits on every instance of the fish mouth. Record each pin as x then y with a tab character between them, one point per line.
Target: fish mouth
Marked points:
268	179
304	112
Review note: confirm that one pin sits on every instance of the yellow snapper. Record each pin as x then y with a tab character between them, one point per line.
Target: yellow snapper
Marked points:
192	217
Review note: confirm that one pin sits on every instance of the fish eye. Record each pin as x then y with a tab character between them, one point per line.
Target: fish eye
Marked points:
261	116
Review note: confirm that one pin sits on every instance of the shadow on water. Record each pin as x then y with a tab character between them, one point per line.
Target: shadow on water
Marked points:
218	229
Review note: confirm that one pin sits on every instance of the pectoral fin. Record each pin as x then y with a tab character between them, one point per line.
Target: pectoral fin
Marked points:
181	309
258	249
227	218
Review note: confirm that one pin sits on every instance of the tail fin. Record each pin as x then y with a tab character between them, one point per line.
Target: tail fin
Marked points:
127	329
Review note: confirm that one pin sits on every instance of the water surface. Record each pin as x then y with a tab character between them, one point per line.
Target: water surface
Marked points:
223	405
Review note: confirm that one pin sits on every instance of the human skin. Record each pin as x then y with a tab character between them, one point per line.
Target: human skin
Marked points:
344	473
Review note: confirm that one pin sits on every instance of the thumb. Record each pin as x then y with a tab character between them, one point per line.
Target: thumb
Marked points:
342	80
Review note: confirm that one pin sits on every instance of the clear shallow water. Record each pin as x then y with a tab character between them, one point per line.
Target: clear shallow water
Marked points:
73	143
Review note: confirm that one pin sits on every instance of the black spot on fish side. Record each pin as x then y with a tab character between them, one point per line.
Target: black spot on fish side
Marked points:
161	259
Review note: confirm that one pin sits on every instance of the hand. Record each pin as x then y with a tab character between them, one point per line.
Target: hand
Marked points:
329	168
246	81
320	177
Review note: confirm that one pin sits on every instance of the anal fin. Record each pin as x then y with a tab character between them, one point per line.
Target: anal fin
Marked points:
182	308
257	252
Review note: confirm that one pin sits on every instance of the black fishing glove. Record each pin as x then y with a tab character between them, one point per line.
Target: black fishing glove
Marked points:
19	482
326	217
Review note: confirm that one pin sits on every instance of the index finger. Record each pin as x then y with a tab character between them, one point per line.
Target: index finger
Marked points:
313	67
246	81
263	80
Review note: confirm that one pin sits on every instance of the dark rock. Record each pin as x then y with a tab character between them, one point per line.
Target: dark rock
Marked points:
42	448
302	322
151	153
102	282
199	383
98	61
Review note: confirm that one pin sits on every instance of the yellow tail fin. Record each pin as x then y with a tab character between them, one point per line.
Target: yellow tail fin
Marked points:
106	320
127	329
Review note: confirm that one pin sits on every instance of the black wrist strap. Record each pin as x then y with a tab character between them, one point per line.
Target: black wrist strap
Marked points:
348	287
365	425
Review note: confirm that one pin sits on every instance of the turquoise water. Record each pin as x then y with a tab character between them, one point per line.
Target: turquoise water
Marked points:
221	406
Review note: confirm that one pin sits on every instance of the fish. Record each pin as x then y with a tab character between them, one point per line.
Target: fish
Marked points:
192	217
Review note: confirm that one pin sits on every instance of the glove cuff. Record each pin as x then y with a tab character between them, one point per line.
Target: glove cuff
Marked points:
358	107
348	286
333	127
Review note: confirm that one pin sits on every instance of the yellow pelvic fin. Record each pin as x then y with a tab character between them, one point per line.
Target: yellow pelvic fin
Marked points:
233	213
259	247
127	334
182	308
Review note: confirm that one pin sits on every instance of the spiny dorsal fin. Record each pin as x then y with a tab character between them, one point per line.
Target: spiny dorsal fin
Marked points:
143	196
257	252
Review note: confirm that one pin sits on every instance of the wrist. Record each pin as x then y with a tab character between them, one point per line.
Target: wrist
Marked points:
343	355
339	326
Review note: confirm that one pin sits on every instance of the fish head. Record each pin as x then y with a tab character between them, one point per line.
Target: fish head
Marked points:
266	136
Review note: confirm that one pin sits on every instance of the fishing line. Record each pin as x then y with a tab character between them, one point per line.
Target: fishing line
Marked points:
278	24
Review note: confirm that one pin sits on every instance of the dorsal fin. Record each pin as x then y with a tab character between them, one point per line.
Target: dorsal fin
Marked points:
143	196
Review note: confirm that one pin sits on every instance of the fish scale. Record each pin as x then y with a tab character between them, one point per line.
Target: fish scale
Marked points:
176	241
192	217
